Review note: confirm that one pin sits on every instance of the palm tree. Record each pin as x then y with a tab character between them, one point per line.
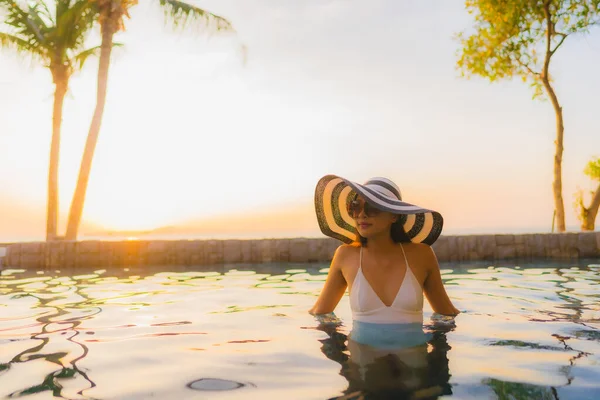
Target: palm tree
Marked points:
111	18
56	39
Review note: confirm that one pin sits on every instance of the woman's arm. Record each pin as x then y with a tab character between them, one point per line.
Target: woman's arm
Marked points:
334	287
434	287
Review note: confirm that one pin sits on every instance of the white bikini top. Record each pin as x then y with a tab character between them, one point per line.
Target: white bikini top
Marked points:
407	306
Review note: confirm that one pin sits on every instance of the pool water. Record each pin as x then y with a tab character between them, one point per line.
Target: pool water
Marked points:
231	332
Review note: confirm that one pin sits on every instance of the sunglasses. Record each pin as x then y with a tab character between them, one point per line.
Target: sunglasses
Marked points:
355	207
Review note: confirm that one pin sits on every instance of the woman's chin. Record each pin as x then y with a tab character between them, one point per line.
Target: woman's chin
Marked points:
366	233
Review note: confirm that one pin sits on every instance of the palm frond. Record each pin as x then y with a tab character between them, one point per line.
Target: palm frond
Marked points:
183	14
54	38
37	19
21	46
73	21
79	59
22	24
44	13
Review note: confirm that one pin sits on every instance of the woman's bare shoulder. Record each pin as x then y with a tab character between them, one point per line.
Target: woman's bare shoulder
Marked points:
345	253
346	250
422	254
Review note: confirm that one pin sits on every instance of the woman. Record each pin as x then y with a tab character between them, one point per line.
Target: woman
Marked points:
387	261
388	264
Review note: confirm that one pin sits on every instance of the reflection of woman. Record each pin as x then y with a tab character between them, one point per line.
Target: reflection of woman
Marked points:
388	264
377	373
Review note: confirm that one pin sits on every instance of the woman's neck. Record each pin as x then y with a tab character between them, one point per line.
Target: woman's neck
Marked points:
381	244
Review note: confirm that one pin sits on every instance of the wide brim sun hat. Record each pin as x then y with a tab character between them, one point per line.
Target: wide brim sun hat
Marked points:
333	193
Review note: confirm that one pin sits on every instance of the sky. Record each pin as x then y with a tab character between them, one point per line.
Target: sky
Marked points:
214	141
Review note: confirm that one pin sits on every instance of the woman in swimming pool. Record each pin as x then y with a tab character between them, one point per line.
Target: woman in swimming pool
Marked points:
388	264
386	261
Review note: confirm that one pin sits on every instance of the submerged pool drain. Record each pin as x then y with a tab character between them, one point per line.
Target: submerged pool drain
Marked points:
215	384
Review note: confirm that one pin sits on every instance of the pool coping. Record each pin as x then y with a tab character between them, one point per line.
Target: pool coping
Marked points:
455	248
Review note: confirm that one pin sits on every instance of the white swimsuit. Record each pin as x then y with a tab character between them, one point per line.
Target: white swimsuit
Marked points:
406	308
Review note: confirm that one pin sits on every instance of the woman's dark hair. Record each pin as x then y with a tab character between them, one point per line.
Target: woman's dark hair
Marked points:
396	232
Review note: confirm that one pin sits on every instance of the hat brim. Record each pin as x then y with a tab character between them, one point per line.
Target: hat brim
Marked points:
333	193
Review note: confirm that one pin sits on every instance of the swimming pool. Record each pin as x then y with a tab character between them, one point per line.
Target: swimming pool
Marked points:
231	332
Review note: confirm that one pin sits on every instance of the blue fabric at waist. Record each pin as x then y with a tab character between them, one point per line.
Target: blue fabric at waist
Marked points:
388	335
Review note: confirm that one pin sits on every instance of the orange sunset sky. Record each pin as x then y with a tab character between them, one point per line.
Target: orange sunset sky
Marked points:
197	140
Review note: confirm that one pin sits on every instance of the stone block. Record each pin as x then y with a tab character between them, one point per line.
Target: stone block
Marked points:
486	247
175	252
567	241
232	251
298	250
505	240
92	259
465	246
573	254
556	253
157	258
521	251
33	248
214	252
519	239
441	249
193	253
324	249
453	254
264	252
529	242
13	255
55	259
157	246
587	245
552	243
116	253
89	246
539	248
281	249
506	252
246	251
256	256
313	251
69	255
32	260
329	247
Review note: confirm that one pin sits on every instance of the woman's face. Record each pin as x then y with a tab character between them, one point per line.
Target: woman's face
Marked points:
369	220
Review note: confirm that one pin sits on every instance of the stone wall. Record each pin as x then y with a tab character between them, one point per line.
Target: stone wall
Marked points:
300	250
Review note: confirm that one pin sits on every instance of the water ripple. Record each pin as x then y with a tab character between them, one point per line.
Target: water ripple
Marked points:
138	333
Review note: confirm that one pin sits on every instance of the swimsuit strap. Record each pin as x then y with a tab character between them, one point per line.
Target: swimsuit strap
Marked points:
404	254
360	259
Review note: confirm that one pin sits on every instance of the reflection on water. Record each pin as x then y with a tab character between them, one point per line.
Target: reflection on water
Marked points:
243	332
376	364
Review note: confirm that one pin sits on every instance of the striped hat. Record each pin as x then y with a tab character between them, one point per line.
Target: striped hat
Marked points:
333	194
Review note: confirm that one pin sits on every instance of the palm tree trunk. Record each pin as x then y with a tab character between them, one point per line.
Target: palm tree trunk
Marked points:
61	84
108	30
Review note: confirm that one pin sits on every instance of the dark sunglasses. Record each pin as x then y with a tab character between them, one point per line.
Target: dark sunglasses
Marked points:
355	207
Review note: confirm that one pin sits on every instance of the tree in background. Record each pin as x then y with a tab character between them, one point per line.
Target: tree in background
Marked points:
112	14
518	38
587	215
55	37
